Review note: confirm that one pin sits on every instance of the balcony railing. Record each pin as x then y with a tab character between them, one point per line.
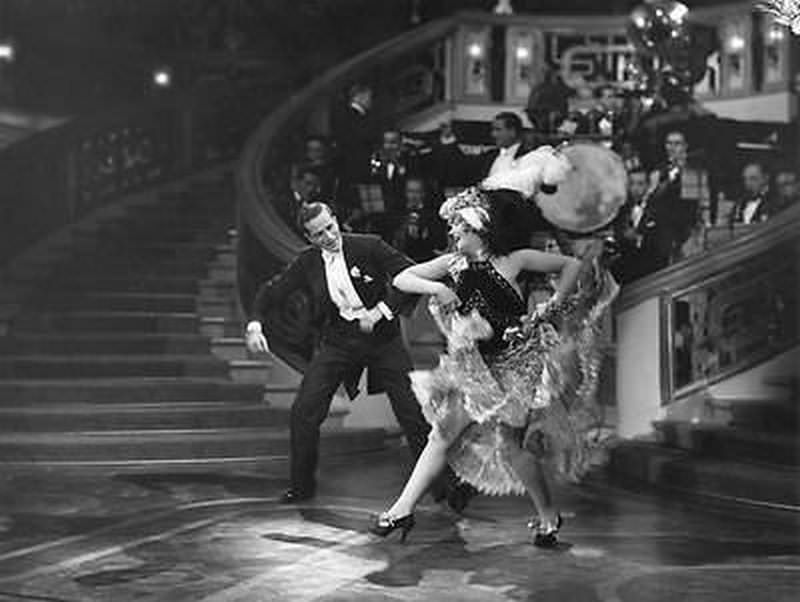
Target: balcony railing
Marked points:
53	178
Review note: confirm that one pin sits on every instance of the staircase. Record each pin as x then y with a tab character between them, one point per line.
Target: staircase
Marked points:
745	450
122	351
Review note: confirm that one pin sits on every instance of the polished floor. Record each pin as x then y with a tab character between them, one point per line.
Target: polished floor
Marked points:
224	538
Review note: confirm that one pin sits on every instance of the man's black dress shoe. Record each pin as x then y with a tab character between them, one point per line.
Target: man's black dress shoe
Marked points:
295	496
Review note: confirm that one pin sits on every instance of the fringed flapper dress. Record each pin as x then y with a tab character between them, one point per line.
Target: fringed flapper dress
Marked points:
516	379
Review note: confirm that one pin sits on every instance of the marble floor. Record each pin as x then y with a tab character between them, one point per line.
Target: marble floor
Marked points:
224	538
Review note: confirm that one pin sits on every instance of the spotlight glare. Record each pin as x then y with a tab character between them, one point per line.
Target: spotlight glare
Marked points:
736	43
7	51
475	50
162	77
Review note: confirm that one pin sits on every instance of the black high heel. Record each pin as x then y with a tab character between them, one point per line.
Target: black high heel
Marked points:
385	524
545	535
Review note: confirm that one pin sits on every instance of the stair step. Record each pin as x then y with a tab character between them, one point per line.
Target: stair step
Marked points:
83	366
187	250
106	343
146	236
132	271
125	263
636	462
230	348
142	445
126	390
250	370
119	301
766	415
60	417
90	251
720	441
105	321
745	445
172	284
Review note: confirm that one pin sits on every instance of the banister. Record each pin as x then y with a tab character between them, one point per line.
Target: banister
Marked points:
783	227
55	176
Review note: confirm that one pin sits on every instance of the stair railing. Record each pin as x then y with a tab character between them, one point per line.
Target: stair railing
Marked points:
730	313
54	177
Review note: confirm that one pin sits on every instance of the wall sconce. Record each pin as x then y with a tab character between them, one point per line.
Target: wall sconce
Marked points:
523	54
475	50
7	51
735	43
162	77
775	34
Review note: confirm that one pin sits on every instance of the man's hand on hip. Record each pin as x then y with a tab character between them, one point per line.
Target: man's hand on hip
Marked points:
368	321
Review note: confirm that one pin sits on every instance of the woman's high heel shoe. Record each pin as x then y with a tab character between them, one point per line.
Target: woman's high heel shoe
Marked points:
385	524
545	535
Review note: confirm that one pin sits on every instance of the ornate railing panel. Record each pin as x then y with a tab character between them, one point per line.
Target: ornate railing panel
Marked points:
56	176
727	310
730	322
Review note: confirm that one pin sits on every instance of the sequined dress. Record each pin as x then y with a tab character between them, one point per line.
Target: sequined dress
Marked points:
516	379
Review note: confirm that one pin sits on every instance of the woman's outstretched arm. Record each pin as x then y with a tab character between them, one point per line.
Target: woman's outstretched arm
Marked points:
569	269
424	278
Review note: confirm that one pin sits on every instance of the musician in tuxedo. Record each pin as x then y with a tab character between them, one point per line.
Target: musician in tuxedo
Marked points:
355	310
634	226
787	188
680	196
757	203
507	131
355	131
392	165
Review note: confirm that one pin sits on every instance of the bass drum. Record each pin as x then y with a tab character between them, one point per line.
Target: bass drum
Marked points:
593	192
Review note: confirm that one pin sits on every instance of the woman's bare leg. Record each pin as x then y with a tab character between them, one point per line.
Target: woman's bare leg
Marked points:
531	471
430	464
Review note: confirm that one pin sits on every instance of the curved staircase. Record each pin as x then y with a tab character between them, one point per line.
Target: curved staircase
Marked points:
121	347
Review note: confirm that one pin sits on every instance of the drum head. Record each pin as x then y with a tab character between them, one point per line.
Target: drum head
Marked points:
593	192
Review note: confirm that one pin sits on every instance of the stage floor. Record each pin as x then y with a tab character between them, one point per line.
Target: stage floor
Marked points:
223	538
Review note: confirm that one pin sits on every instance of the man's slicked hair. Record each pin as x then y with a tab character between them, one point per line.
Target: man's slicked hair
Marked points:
309	211
511	120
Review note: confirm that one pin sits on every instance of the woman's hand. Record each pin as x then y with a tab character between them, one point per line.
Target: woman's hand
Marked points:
547	306
446	296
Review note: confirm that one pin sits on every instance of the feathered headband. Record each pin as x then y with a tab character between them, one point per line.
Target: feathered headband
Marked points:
471	205
540	170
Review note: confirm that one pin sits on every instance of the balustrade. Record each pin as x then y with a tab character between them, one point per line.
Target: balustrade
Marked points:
55	177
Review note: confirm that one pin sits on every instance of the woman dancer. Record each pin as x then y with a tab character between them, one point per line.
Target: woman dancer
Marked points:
514	392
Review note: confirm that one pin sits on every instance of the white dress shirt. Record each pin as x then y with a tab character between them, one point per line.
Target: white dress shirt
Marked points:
637	212
342	291
340	286
505	159
750	209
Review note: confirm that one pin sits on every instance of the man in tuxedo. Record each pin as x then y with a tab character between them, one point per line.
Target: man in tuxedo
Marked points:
680	195
355	130
787	190
420	232
756	204
634	223
348	281
507	130
391	167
